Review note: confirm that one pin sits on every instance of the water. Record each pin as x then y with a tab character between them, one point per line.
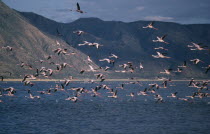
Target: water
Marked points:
52	114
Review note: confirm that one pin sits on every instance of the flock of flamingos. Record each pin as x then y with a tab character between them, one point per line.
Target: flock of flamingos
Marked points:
73	94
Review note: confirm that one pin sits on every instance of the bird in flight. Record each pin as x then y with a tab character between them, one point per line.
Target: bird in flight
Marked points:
161	39
8	48
173	95
85	43
197	46
74	99
161	48
196	61
160	55
79	32
78	9
114	56
114	94
141	66
108	60
166	71
150	25
184	64
207	69
97	45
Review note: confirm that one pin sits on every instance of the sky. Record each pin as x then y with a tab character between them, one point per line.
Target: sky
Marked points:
179	11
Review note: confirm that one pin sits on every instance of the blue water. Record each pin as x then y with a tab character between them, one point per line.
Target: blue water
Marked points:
52	114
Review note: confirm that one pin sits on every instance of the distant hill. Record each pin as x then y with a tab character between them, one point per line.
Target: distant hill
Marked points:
133	43
31	45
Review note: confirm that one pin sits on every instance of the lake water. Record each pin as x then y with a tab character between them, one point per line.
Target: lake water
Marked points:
52	114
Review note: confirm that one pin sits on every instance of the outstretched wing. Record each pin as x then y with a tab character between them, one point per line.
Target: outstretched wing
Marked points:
164	36
170	69
185	63
151	23
164	54
78	7
207	70
115	93
58	33
203	46
2	78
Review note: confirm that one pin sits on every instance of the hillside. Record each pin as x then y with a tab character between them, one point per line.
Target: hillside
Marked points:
133	43
30	45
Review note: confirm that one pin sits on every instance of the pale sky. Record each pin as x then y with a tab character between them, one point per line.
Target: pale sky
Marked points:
180	11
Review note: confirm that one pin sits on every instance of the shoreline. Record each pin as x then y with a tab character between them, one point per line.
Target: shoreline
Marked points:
86	80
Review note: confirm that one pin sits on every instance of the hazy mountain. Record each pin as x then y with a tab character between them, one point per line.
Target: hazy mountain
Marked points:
31	45
133	43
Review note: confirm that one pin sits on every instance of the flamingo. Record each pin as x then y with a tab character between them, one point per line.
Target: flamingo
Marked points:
191	81
8	48
106	68
99	76
58	43
124	66
173	95
114	95
197	46
159	98
141	66
179	70
82	71
207	69
166	71
108	60
74	99
165	84
131	94
160	55
192	97
50	71
88	59
85	43
161	39
60	50
33	97
154	85
144	93
150	25
161	48
79	32
28	83
184	64
114	56
95	44
91	68
11	90
196	61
